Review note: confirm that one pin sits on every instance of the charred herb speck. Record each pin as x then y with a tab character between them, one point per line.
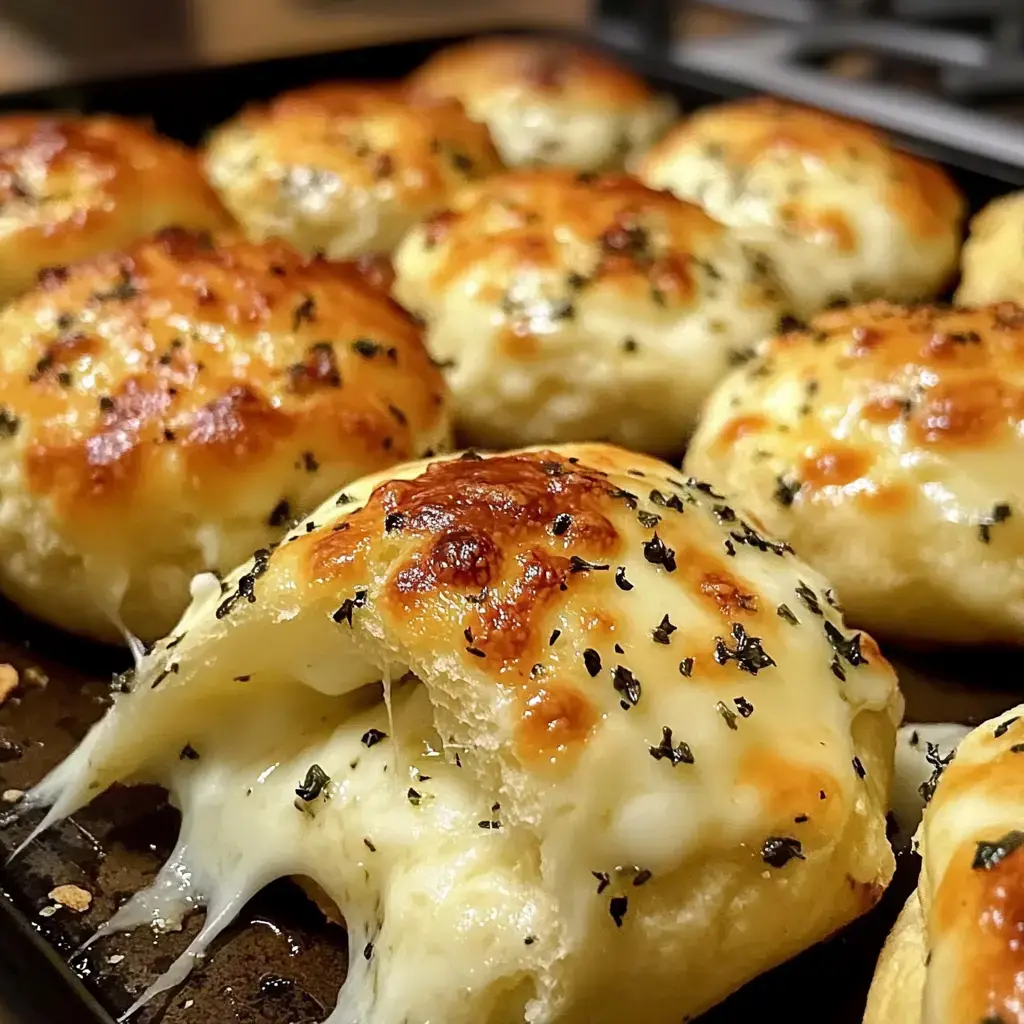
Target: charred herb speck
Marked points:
663	631
989	854
246	584
747	653
372	737
344	612
778	851
313	784
627	686
675	754
658	553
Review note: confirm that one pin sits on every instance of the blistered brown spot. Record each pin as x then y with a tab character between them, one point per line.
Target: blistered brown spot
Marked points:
979	915
884	498
507	497
967	412
237	424
885	409
484	527
788	788
818	226
457	558
108	460
725	593
511	623
834	466
555	723
739	427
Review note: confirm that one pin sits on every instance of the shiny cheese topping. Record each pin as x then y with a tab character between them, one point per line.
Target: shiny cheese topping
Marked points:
887	445
992	261
567	307
955	955
548	102
344	168
563	735
841	212
166	409
72	187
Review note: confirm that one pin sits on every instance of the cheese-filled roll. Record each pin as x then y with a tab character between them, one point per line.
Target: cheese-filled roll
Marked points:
344	168
887	445
955	953
73	186
572	307
992	260
548	102
842	213
555	730
165	409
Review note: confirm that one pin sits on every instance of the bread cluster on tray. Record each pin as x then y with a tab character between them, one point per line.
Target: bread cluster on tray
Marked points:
502	474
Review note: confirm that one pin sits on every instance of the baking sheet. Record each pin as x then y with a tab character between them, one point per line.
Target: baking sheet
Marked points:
281	963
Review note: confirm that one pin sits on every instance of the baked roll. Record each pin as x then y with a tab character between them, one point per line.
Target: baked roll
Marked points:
955	954
164	409
72	187
886	445
842	213
557	730
548	102
992	263
566	307
344	168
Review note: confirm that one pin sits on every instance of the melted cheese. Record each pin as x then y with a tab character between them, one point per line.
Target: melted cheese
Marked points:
525	844
921	751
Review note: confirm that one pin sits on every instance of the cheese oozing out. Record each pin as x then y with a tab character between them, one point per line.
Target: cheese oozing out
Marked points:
922	752
504	817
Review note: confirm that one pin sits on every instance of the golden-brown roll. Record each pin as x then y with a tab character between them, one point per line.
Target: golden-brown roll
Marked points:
955	955
841	212
549	102
167	409
72	187
992	261
568	307
887	445
344	168
555	730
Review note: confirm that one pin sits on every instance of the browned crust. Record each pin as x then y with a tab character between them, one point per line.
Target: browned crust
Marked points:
78	185
552	69
432	145
188	358
646	240
745	131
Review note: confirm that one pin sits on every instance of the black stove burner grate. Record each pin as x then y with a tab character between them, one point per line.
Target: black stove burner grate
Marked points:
945	75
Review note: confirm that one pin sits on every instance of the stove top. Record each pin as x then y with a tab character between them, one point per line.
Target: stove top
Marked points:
947	75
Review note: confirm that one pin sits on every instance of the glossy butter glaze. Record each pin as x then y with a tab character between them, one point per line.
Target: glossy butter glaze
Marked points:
884	443
573	307
165	408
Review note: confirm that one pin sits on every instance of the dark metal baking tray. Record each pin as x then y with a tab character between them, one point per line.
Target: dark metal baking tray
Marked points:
281	963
